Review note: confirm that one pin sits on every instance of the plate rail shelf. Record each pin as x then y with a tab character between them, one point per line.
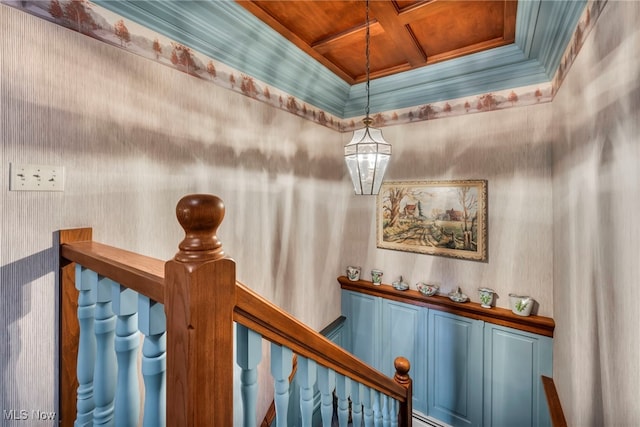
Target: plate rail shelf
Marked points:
497	315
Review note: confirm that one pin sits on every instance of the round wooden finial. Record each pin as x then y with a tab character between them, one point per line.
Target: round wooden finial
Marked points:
402	366
200	215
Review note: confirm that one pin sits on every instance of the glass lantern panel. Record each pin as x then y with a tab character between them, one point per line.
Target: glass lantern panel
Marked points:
352	165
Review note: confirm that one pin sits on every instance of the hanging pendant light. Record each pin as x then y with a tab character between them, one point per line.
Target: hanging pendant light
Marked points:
367	154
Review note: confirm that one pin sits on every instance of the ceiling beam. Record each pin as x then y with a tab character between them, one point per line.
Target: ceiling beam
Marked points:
399	32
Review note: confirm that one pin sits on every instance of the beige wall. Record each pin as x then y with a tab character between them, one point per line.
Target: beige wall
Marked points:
135	136
507	148
596	195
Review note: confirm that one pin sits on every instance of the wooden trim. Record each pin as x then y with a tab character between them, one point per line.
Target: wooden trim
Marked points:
500	316
275	325
69	329
553	402
143	274
332	326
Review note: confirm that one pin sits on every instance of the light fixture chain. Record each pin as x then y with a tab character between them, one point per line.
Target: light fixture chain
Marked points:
367	56
367	155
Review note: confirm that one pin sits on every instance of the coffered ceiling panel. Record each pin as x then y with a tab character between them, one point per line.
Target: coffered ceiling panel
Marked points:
404	34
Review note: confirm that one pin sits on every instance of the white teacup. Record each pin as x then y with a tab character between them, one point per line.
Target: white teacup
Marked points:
353	273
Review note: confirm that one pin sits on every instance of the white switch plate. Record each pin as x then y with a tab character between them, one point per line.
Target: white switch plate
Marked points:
36	178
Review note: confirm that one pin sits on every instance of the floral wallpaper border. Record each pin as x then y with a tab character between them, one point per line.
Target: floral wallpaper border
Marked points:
94	21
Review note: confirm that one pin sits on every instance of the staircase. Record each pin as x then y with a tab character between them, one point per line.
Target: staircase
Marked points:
187	309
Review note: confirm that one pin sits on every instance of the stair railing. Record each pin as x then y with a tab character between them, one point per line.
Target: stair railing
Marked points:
186	309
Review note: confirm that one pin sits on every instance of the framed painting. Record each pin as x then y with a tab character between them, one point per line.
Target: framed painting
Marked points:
445	218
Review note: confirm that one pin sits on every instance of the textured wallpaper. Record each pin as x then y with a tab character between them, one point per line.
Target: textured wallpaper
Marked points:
135	137
596	197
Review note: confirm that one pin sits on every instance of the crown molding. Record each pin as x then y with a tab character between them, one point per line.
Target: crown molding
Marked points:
227	32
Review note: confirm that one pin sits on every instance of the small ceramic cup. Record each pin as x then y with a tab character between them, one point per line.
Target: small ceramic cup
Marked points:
521	305
376	276
486	297
353	273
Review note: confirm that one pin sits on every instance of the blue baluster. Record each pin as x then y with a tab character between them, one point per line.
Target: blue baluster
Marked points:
306	376
342	391
386	419
153	324
127	343
104	379
356	404
395	407
281	365
367	405
248	355
326	385
377	409
86	284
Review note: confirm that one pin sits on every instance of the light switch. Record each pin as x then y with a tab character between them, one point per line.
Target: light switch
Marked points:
36	177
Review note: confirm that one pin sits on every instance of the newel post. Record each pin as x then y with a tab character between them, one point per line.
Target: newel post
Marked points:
405	416
199	301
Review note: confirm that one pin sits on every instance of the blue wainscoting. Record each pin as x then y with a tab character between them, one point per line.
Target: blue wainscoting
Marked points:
465	371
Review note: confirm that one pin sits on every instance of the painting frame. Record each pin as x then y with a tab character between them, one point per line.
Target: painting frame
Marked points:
442	218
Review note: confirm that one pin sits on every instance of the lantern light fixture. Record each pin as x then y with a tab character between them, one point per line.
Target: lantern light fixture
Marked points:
367	154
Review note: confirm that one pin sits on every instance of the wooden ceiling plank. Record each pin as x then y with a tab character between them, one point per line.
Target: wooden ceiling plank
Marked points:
467	50
386	72
510	12
422	11
265	17
325	44
391	22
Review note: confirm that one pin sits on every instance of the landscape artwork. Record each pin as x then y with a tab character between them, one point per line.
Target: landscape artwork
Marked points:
446	218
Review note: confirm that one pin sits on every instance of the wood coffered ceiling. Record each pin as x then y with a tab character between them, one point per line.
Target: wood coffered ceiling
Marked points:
404	34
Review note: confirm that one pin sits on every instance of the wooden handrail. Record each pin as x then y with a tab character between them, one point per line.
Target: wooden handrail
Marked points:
277	326
146	275
553	401
143	274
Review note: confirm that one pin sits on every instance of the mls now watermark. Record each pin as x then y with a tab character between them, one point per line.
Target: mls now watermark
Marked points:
28	415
